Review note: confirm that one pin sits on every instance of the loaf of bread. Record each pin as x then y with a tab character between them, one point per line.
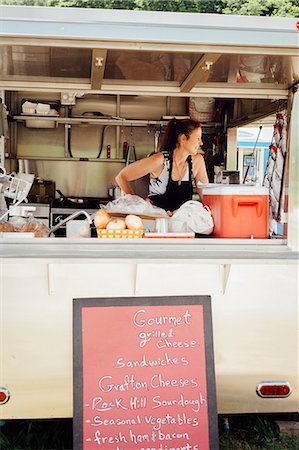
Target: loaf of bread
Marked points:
38	228
6	227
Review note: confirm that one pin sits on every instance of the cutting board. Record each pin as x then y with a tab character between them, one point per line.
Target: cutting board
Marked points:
141	215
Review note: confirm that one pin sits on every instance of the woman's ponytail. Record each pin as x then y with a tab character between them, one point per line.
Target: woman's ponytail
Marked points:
170	136
174	128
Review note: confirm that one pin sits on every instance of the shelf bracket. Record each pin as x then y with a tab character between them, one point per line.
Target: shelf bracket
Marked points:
201	71
98	68
224	276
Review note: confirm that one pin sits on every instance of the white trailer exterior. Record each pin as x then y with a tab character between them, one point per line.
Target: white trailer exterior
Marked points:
253	283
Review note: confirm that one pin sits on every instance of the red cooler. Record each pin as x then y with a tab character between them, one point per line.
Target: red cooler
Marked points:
239	211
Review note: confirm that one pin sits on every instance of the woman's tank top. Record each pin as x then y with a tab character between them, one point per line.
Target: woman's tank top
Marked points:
169	194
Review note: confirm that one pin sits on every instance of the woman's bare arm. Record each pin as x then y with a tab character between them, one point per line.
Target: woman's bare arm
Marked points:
199	172
151	165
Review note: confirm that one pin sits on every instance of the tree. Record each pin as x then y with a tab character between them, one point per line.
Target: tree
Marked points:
282	8
105	4
202	6
199	6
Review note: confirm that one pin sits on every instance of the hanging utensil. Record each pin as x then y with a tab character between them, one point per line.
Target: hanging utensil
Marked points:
156	140
125	150
131	149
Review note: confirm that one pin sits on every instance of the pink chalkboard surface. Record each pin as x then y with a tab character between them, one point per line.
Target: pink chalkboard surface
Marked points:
144	374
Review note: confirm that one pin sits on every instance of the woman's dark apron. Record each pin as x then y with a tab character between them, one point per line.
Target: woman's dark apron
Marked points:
176	192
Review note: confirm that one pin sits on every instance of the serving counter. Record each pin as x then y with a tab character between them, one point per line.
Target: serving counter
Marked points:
167	250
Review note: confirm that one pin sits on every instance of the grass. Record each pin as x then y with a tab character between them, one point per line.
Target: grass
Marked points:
254	433
245	433
36	434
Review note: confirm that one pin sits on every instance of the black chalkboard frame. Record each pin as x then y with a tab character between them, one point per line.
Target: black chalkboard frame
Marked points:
79	303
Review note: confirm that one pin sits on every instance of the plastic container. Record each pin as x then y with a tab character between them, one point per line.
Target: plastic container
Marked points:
161	226
29	108
78	229
239	211
43	108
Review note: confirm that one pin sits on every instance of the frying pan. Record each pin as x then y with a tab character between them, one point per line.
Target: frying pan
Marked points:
63	198
87	202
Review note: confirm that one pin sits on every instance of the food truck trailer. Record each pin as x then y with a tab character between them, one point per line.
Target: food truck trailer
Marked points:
88	91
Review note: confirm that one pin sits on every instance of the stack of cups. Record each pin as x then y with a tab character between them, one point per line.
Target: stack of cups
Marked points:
161	225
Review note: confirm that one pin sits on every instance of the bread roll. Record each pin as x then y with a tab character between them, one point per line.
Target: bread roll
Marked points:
101	219
6	227
134	222
116	224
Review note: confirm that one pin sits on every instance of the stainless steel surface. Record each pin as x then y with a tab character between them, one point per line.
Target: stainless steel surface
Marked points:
132	108
66	210
27	166
79	178
95	121
48	161
37	209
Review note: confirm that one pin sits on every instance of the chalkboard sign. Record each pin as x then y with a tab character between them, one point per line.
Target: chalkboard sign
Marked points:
144	374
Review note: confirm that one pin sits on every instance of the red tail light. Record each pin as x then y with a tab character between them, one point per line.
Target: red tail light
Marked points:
273	389
4	395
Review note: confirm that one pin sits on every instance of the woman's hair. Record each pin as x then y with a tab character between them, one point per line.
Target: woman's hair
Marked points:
174	128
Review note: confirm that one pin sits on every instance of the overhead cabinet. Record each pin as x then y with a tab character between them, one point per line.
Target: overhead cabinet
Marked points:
180	73
145	53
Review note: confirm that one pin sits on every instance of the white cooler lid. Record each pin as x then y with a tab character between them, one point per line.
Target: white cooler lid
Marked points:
234	189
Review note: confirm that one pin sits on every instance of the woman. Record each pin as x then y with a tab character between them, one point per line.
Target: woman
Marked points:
173	169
